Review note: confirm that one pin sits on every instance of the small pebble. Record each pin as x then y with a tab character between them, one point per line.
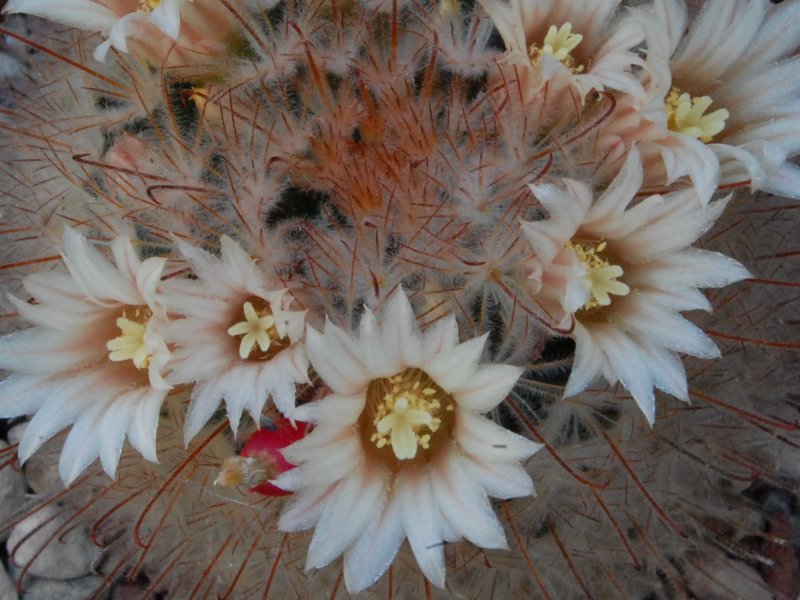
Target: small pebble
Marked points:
63	557
41	469
71	589
8	590
12	491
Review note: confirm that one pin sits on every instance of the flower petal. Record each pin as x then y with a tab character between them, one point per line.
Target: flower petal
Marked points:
372	553
167	17
482	438
351	507
82	14
453	369
205	399
422	522
144	425
463	502
332	409
336	357
306	507
501	479
488	387
338	461
95	276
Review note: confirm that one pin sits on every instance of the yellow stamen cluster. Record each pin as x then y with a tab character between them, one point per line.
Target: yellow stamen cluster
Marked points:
558	43
409	412
449	8
132	343
148	5
257	328
602	274
687	115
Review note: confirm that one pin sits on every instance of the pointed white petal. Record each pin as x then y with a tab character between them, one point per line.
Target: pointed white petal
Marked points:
381	359
82	14
501	479
332	409
23	394
613	202
568	209
666	370
666	328
718	37
625	363
463	502
336	358
205	399
82	444
148	276
167	17
101	51
277	378
144	425
441	336
785	181
687	269
205	265
98	279
372	553
588	362
54	287
399	328
334	465
353	505
56	413
316	443
305	508
453	369
422	522
111	431
241	384
43	315
482	438
37	350
488	387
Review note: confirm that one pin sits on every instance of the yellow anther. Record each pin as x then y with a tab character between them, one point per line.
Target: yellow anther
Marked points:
148	5
406	412
132	343
602	275
687	115
449	8
257	328
558	43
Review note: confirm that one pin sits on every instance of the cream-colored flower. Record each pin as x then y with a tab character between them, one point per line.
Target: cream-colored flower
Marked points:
400	449
95	357
586	43
116	20
237	338
728	80
623	273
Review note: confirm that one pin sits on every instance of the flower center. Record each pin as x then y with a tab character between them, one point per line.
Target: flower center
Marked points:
687	115
255	325
602	275
558	43
132	343
148	5
406	412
